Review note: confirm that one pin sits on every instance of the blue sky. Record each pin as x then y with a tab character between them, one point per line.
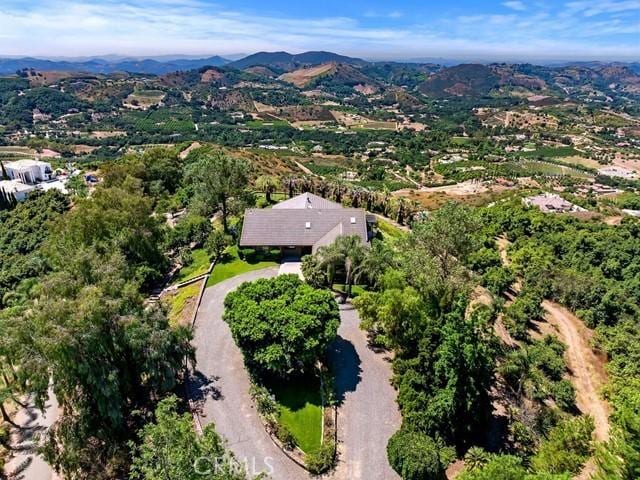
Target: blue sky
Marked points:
403	29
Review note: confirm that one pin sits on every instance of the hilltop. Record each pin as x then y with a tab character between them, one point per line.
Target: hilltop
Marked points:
287	62
334	73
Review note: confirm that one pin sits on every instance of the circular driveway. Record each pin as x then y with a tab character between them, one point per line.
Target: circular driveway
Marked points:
367	416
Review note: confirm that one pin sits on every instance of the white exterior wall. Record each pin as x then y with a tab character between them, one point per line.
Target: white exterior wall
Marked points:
28	171
15	189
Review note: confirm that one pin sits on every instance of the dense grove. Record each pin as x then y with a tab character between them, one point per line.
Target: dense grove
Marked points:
593	269
73	279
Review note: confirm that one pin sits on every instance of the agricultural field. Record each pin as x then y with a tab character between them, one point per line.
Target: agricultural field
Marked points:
257	124
162	121
143	99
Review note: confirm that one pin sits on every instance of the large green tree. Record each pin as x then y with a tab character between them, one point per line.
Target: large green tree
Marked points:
115	218
282	325
416	456
170	449
433	254
84	330
216	179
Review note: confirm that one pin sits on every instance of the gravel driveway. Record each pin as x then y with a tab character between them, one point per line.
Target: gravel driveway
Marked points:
368	414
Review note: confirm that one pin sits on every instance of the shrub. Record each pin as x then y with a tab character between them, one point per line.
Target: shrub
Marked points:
217	242
566	448
564	394
497	279
285	436
314	275
416	456
322	460
265	402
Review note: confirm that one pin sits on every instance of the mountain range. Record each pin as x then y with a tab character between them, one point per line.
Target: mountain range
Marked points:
279	62
108	65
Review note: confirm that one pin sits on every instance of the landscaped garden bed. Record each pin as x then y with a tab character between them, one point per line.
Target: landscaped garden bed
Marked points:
283	326
300	417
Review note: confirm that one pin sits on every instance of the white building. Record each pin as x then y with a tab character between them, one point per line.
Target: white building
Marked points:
15	189
29	171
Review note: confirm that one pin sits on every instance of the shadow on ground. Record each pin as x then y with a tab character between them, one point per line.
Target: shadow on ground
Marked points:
345	363
202	388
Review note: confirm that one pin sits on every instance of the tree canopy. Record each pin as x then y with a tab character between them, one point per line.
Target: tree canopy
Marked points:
282	325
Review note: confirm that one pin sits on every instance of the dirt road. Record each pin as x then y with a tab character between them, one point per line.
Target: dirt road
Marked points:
587	370
588	374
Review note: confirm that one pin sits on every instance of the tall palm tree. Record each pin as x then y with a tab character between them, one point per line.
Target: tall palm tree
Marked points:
375	262
289	184
267	184
346	251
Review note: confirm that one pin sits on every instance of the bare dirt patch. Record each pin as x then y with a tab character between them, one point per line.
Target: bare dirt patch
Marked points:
108	134
627	163
302	77
189	149
435	197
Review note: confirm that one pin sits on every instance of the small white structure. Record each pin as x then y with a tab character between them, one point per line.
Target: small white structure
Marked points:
15	189
29	171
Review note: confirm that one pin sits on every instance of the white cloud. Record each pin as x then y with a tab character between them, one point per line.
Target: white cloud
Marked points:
154	27
515	5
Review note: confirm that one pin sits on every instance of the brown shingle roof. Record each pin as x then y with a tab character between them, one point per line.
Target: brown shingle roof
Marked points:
307	200
288	227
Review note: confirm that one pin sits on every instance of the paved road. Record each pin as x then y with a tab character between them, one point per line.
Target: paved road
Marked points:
368	414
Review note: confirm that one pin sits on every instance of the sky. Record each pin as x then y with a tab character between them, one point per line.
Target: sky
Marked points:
486	30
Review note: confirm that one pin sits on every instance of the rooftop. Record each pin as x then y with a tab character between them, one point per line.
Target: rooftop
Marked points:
15	186
306	220
25	163
305	201
550	202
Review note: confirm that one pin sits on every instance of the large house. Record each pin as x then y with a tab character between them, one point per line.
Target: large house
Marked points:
26	176
29	171
551	203
302	224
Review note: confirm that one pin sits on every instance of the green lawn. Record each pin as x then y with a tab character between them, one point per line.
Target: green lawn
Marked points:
300	406
232	265
460	141
198	266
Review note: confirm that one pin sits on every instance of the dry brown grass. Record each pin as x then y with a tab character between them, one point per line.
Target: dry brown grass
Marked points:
302	77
